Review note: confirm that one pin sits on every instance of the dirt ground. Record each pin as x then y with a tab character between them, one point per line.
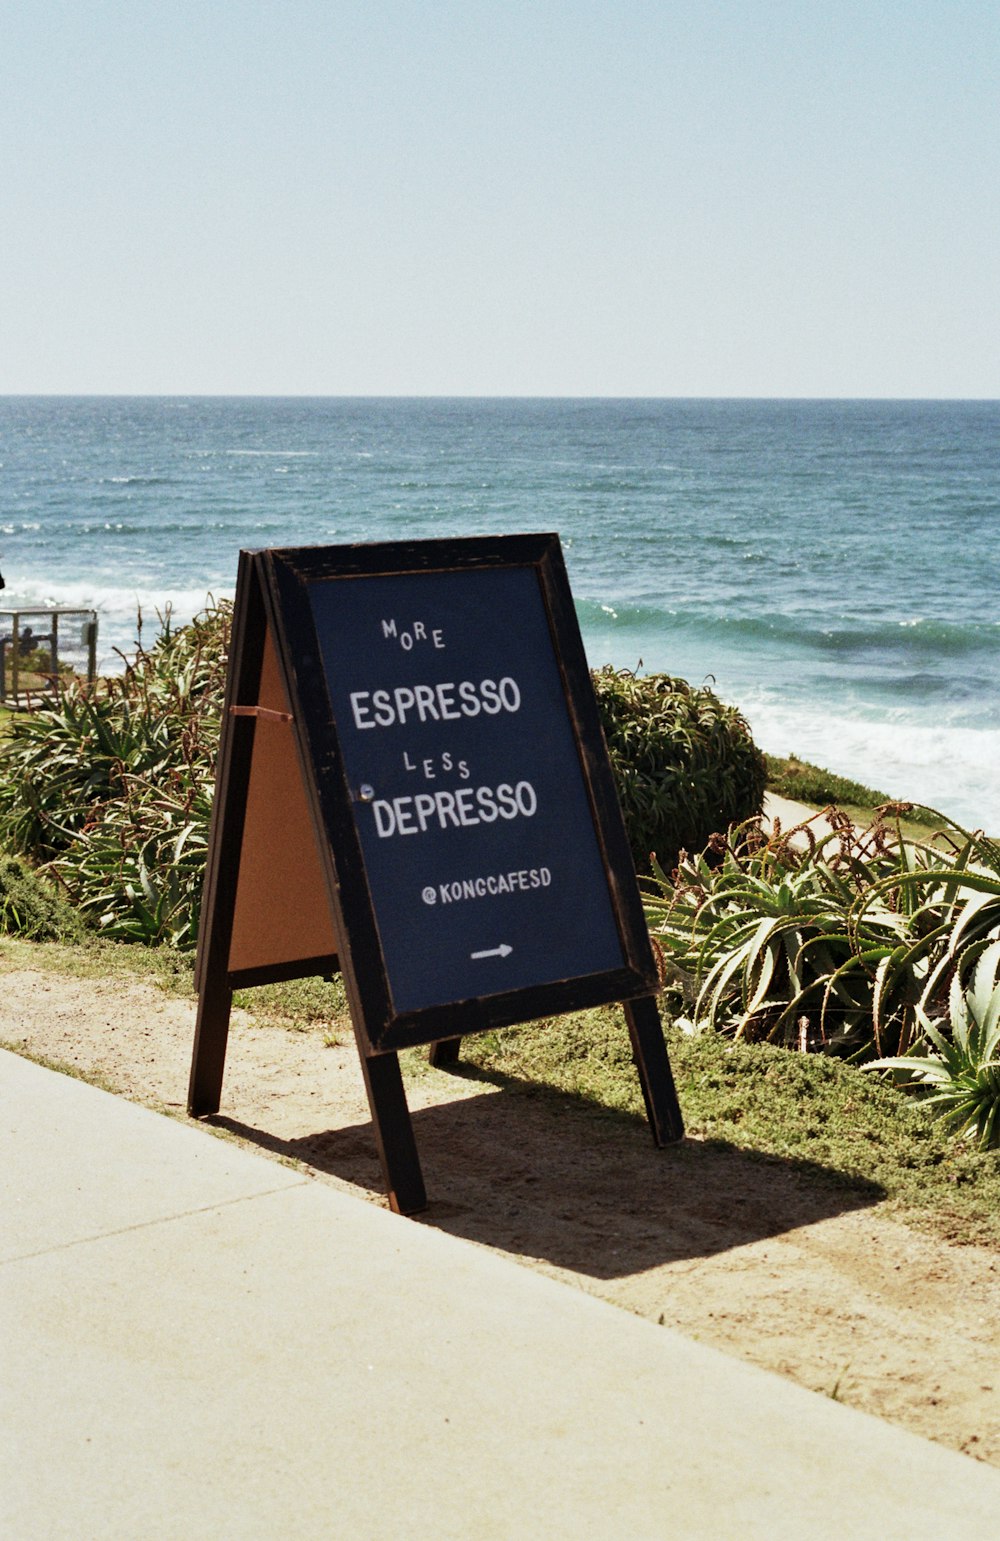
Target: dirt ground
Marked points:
811	1283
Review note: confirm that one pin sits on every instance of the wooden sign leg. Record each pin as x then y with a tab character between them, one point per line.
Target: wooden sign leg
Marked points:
445	1051
397	1147
655	1075
211	1035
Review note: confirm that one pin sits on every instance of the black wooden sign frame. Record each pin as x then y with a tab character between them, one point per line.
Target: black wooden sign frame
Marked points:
288	890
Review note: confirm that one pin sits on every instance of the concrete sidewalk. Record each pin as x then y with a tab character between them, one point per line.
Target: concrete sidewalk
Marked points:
201	1342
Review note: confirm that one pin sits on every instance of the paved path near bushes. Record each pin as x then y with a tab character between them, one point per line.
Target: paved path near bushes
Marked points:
792	814
200	1342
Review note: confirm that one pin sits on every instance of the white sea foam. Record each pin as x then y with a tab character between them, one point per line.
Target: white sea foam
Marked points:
953	769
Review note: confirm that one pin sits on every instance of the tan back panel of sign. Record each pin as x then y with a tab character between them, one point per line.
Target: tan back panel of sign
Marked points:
282	908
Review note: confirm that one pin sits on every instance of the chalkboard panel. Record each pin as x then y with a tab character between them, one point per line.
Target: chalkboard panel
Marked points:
445	707
466	786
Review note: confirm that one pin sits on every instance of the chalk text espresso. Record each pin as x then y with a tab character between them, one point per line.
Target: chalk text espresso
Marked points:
446	702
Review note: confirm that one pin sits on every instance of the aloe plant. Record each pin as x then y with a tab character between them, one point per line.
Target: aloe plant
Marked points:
958	1075
953	900
770	938
136	874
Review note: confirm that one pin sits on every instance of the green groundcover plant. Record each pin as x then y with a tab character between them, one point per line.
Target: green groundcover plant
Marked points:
31	908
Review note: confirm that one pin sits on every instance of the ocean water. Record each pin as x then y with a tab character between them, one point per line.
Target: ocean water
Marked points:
831	566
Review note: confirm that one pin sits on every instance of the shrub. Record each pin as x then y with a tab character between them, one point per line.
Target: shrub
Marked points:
685	764
30	908
955	897
137	873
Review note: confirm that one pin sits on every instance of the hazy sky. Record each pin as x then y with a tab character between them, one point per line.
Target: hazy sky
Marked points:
543	197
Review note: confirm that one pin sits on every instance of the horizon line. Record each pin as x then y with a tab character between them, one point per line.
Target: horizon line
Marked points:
447	396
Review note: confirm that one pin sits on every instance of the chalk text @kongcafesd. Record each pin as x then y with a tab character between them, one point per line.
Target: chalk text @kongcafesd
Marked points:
489	887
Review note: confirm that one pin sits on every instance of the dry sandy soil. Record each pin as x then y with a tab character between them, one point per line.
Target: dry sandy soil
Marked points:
814	1284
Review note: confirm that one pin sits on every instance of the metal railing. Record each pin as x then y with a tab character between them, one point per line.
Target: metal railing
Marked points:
40	647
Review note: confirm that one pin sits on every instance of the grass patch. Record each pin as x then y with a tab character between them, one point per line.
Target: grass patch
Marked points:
100	959
788	776
302	1005
772	1103
299	1004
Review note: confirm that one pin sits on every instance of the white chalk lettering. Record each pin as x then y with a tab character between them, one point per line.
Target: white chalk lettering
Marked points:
404	816
444	702
488	810
426	702
361	713
463	800
385	819
416	633
446	809
494	884
382	702
463	808
424	806
470	701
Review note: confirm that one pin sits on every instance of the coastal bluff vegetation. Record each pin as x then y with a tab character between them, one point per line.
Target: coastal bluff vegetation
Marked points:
830	996
876	946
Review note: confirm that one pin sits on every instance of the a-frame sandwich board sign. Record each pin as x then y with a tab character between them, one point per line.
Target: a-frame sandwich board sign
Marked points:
413	788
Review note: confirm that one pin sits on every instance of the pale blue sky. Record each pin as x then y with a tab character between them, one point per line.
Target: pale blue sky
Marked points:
564	197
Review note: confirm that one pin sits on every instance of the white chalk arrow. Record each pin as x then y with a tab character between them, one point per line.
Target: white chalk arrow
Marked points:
503	951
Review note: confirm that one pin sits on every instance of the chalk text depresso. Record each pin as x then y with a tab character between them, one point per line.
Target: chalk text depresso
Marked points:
463	808
444	702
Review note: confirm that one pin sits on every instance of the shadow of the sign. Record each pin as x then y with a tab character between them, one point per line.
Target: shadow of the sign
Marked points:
542	1174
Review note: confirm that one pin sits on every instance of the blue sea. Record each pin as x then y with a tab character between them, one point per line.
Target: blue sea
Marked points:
830	566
